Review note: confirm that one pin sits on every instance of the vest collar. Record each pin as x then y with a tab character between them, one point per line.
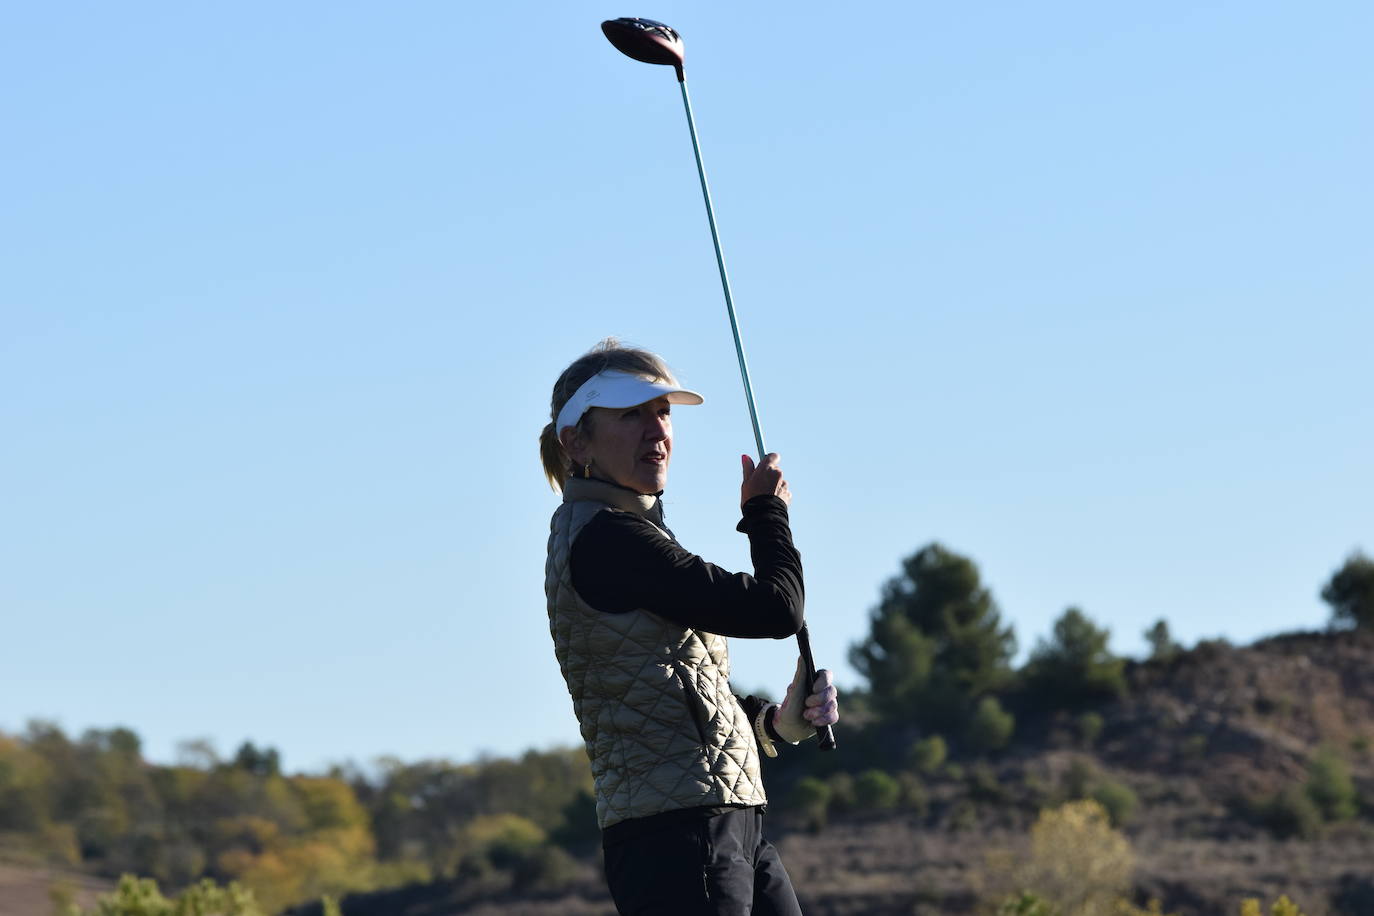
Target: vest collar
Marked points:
578	489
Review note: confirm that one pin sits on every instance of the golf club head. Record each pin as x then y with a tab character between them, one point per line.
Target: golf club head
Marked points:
646	40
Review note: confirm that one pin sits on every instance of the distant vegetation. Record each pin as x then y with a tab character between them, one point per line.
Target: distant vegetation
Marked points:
946	733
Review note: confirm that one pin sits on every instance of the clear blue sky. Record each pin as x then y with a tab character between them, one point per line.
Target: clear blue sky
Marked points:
1084	292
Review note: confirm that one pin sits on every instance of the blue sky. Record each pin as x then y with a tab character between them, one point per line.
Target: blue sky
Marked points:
1082	292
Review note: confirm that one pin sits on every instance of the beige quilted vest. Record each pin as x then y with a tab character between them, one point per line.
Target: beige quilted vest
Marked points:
653	698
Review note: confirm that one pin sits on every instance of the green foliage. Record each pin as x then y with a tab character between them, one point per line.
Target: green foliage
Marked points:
141	897
260	762
1330	787
1026	904
1291	813
810	798
1078	778
1350	592
578	833
991	727
936	642
96	803
1075	667
875	790
914	795
983	784
841	791
1163	647
1117	799
928	754
1282	907
1089	728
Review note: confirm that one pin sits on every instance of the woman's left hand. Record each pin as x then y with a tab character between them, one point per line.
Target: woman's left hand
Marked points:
803	712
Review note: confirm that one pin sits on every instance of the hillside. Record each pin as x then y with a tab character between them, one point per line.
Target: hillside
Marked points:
1205	743
1234	772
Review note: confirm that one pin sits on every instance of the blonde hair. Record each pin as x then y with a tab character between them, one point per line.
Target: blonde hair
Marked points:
608	354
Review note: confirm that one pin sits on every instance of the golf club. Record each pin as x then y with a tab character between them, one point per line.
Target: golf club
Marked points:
655	43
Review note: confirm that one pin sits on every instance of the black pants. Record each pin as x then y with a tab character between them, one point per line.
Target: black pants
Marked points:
718	864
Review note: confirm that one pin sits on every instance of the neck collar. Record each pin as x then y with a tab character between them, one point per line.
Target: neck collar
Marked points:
593	489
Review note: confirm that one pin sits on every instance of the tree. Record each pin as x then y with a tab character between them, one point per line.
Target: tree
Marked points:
1163	648
1350	592
1075	667
936	643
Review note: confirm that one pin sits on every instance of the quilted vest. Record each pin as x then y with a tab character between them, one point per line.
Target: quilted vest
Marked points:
653	699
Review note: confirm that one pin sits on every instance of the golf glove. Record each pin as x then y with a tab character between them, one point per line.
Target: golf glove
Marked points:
802	710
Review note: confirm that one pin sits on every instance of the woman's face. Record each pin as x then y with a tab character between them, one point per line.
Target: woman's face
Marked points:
630	445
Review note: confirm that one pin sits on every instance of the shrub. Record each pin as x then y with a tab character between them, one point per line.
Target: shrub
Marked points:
1282	907
1117	799
810	798
928	754
1330	787
1026	904
875	790
914	794
983	784
1078	778
991	727
1089	728
1077	864
1292	813
841	791
141	897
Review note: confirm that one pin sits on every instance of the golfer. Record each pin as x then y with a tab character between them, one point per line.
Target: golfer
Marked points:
639	627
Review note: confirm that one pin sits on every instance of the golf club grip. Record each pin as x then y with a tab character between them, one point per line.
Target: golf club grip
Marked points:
823	732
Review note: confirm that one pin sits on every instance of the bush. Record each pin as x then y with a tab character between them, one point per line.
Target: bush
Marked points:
1117	799
841	791
914	795
1089	728
991	727
1077	864
1330	787
875	790
983	784
1282	907
1292	813
810	798
928	754
141	897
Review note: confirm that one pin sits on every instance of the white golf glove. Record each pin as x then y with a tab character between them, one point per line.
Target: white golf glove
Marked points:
802	711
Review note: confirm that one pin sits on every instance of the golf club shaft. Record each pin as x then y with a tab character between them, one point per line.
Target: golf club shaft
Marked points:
824	732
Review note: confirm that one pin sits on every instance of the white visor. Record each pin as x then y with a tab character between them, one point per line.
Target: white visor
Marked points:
612	388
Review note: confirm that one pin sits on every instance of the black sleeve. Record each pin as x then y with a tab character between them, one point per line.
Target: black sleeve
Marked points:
621	562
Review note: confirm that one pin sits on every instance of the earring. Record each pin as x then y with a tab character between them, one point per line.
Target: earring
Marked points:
587	471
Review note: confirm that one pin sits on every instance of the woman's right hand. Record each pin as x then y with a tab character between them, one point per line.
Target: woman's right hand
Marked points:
764	480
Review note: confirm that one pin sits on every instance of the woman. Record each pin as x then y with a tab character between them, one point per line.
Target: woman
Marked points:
639	626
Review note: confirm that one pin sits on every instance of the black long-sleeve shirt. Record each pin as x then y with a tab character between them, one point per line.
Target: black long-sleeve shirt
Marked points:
622	562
